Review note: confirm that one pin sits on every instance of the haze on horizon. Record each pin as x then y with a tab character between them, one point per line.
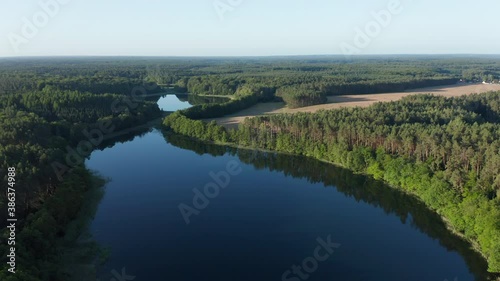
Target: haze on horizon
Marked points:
247	28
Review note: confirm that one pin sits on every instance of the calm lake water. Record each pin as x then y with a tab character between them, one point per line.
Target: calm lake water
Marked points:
172	103
276	212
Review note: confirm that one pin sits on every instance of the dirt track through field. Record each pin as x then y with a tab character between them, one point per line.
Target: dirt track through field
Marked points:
232	121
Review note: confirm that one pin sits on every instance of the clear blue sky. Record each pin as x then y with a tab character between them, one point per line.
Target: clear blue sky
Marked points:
254	27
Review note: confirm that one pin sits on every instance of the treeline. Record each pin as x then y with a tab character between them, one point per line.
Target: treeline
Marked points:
85	75
374	87
301	95
445	151
96	85
196	128
480	75
199	100
245	97
212	85
77	107
100	85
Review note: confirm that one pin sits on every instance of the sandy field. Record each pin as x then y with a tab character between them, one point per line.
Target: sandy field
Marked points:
232	121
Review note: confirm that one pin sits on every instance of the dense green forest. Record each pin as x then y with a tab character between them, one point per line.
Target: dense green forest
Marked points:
53	112
306	80
245	96
445	151
323	75
302	95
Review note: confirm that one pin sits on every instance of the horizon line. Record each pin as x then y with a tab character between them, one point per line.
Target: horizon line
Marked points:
246	56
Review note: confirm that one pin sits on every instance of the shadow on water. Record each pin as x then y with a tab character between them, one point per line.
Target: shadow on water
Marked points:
361	188
123	138
199	100
82	256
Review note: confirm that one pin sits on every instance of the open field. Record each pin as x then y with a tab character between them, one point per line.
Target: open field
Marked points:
232	121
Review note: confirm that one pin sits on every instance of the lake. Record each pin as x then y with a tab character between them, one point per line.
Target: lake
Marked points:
178	209
170	102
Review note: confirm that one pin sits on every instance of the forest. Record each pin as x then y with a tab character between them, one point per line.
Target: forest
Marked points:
311	76
304	81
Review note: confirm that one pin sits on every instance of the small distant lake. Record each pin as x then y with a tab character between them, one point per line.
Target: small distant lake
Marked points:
171	102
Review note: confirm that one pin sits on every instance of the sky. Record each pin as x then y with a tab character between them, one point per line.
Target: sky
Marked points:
247	27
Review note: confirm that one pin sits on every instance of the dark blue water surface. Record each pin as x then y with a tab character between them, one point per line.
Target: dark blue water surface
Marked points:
269	218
